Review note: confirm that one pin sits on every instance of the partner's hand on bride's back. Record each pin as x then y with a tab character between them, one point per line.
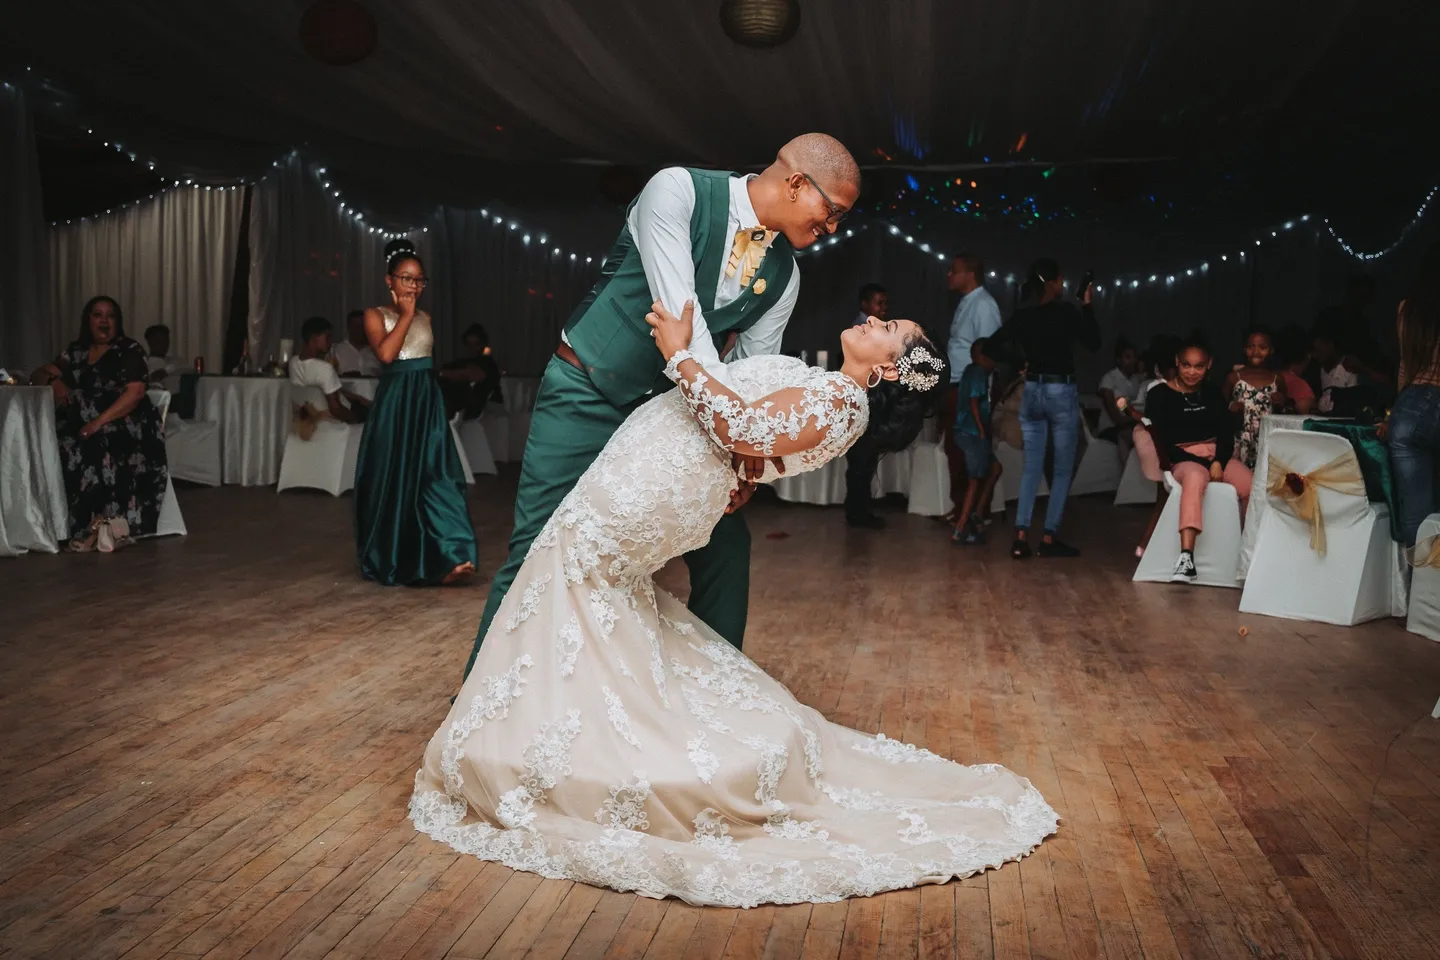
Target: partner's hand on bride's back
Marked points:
672	334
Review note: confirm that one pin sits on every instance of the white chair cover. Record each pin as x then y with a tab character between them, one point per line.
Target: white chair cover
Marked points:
1217	550
929	479
1099	470
327	460
1134	487
170	523
474	447
1012	462
1425	588
1354	579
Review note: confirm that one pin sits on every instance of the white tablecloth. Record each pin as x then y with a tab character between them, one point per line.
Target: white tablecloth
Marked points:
33	513
254	415
519	393
826	486
1259	502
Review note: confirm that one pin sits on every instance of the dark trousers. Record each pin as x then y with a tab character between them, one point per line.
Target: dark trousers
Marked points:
860	462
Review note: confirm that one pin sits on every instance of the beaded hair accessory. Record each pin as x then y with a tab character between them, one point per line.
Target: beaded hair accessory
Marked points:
912	376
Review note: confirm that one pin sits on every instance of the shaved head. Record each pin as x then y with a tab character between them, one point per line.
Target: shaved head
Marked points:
823	157
808	190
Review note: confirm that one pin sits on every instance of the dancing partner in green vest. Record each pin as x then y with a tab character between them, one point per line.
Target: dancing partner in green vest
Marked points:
725	242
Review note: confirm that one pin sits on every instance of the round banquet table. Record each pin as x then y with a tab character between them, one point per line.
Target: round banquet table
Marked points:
254	416
33	511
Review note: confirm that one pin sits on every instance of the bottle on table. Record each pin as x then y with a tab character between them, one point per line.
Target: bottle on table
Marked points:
242	369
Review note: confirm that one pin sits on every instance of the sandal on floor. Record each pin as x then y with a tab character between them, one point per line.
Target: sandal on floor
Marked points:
1020	549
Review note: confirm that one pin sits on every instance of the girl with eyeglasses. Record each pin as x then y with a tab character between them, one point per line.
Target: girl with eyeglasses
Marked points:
412	525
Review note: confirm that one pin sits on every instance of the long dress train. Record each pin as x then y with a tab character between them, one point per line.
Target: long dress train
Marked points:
412	525
606	736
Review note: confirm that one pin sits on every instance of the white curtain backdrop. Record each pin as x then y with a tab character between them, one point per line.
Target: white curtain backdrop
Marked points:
307	258
169	260
24	328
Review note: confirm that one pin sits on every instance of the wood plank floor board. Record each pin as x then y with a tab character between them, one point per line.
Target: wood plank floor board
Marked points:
221	767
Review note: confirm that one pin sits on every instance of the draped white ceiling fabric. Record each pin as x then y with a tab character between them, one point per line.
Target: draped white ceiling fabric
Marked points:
169	260
650	82
24	293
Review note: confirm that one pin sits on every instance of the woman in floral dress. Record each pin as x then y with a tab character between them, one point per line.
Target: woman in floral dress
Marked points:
112	443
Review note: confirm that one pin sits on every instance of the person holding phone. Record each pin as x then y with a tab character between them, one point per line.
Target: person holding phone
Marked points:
1044	335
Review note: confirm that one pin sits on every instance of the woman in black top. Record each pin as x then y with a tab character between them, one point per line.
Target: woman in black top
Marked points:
1191	422
1043	336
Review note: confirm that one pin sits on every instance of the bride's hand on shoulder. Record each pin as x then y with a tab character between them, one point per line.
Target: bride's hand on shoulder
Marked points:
672	334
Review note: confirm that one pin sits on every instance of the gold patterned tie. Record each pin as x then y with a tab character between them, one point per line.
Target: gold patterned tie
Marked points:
749	249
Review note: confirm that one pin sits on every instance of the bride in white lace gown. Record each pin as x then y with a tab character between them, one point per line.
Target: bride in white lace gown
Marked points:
606	736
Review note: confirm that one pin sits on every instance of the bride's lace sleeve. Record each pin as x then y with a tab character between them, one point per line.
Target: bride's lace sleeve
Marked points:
829	412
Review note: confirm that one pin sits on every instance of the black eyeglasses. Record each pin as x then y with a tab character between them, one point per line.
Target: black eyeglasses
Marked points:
836	213
411	281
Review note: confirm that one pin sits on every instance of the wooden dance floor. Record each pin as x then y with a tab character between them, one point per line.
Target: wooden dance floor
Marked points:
209	744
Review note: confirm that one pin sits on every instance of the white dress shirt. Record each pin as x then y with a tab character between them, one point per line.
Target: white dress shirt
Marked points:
977	315
660	226
155	364
352	358
314	373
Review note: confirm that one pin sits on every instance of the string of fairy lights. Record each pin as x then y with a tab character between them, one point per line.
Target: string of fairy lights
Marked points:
1133	280
345	207
348	209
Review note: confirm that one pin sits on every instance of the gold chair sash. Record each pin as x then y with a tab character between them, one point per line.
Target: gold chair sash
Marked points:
1299	493
306	417
1426	553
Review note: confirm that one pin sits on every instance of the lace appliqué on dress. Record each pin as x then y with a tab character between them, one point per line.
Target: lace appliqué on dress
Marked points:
832	404
529	603
625	810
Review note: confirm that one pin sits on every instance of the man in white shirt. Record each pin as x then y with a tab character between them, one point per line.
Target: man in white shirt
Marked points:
353	356
159	361
718	240
1125	381
977	316
309	368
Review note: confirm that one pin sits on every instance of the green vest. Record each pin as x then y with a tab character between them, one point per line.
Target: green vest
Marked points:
608	331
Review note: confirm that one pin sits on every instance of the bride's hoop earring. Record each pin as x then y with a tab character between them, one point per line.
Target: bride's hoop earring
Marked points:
878	378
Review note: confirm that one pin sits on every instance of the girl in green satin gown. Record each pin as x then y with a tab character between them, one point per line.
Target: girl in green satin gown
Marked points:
412	525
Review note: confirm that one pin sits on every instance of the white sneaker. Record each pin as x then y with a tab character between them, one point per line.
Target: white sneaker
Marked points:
1185	571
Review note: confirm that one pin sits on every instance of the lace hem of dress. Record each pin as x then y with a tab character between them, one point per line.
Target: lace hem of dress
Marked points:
709	872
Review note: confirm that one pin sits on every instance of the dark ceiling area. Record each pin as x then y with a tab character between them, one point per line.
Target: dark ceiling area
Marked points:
1130	120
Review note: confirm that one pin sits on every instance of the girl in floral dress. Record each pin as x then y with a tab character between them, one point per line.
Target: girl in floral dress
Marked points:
1254	391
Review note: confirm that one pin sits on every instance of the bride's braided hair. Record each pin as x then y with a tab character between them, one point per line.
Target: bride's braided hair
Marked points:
898	408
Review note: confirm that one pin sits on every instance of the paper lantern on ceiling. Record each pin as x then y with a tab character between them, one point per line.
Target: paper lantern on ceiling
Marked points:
338	32
760	23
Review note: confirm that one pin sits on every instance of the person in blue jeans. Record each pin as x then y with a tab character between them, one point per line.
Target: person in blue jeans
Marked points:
1413	429
1044	335
972	437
